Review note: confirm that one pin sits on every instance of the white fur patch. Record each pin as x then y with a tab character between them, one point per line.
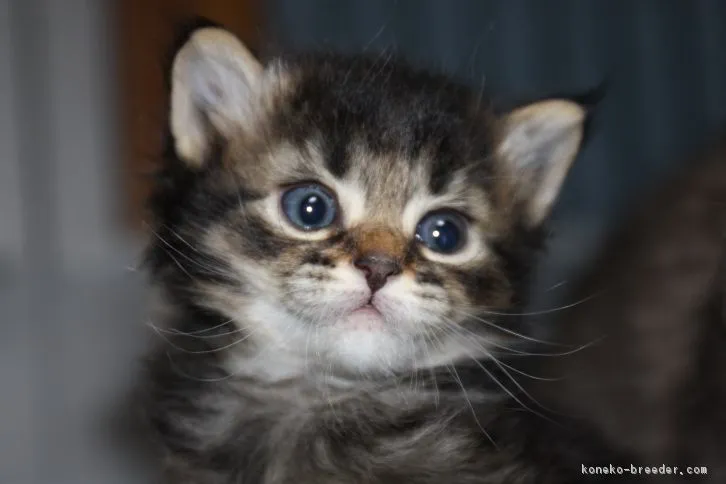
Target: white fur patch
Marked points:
352	199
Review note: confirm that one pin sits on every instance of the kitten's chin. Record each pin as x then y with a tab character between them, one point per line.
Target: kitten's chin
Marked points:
362	348
361	342
366	318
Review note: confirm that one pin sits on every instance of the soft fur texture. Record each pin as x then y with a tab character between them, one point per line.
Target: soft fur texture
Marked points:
270	371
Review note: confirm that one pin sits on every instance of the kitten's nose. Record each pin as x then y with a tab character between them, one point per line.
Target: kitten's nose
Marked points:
377	268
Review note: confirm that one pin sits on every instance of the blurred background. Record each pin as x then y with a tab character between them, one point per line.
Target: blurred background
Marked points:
81	110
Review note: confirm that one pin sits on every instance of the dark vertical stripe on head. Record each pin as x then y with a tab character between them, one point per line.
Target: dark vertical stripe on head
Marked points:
337	160
443	166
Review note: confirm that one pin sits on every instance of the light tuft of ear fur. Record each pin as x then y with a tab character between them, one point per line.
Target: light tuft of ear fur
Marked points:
213	82
539	143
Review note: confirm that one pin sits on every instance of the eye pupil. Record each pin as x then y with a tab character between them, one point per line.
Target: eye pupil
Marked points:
312	210
446	236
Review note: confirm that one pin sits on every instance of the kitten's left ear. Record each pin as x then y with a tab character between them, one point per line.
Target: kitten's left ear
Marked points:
539	143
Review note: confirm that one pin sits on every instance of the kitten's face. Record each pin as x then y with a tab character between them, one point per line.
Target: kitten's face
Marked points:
369	267
349	221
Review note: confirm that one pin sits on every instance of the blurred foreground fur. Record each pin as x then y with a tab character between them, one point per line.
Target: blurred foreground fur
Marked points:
655	386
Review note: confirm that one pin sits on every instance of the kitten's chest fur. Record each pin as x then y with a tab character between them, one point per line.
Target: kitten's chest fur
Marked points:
312	430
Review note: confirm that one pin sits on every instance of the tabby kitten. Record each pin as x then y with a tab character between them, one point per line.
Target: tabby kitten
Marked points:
330	235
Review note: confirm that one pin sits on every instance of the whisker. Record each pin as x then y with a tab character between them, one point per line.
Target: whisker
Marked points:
182	239
209	269
452	371
524	391
178	264
555	286
415	366
501	385
476	337
566	353
199	331
523	373
471	407
277	344
176	332
375	36
327	373
195	378
543	311
454	326
432	374
307	348
516	352
199	352
506	330
514	380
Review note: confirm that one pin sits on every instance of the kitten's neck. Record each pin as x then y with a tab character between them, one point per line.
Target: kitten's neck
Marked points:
240	354
272	365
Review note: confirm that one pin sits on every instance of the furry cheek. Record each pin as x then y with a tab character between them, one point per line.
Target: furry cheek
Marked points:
407	305
325	294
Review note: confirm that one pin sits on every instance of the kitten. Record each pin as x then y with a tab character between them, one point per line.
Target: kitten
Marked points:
654	385
332	237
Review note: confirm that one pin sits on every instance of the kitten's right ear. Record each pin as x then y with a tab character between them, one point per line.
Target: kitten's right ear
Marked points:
539	143
214	80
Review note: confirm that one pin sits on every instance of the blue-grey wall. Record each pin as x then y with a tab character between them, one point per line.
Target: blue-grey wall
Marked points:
664	61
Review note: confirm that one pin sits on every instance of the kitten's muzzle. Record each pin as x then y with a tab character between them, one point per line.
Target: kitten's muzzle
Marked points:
377	268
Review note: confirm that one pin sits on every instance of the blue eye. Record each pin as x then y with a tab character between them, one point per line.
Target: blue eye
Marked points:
443	232
309	207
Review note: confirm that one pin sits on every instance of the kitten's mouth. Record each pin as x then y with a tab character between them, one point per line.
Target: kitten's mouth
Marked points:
366	317
368	309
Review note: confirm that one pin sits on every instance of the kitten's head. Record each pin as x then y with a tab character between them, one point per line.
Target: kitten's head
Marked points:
350	209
